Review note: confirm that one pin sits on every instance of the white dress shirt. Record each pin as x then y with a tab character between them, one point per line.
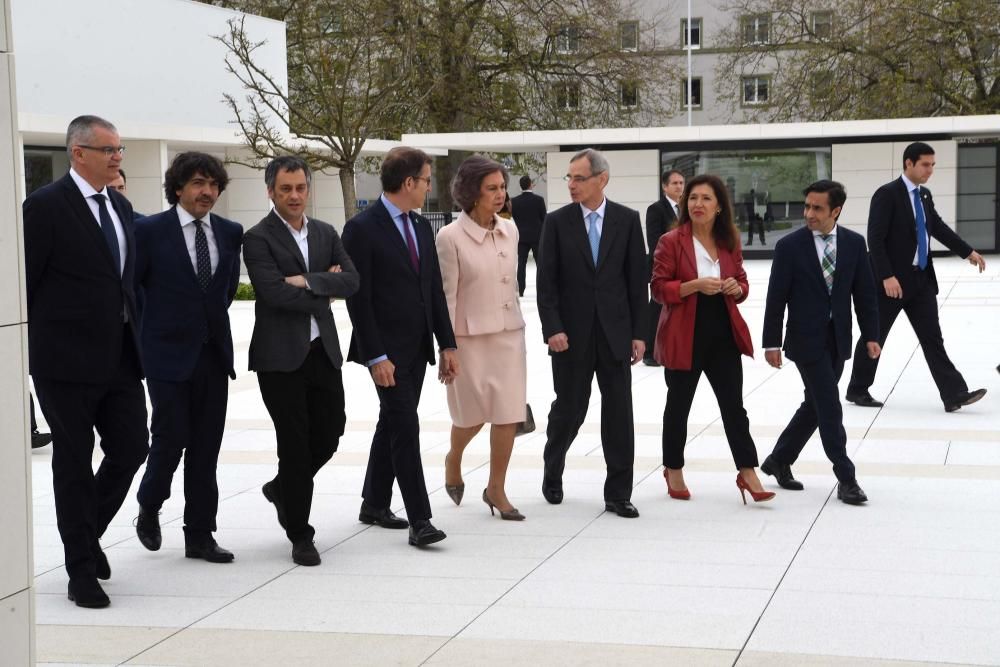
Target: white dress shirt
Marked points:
821	246
673	204
301	238
190	231
88	192
910	187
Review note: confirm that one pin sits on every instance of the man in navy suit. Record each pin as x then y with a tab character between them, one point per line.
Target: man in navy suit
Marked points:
397	313
817	270
187	270
901	222
528	211
83	350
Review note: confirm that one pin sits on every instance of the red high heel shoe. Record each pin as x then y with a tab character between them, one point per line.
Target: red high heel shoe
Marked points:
677	494
758	496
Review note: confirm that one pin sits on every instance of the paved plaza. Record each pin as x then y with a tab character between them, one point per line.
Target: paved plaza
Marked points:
912	577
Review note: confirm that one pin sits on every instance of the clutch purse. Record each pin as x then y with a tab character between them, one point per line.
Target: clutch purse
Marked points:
528	425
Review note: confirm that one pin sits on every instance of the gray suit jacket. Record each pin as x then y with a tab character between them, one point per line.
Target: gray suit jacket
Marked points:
281	332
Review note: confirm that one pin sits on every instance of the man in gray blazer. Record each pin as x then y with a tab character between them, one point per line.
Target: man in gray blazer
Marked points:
298	267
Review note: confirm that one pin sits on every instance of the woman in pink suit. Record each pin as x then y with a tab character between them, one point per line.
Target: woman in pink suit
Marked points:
478	256
698	276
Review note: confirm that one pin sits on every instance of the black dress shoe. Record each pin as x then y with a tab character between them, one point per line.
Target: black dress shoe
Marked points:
101	562
423	532
147	527
87	593
650	361
865	400
383	517
965	398
272	496
206	548
304	553
851	493
40	439
782	473
622	508
552	492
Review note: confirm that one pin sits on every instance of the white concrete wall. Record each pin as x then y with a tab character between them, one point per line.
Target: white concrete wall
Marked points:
145	163
17	642
634	181
862	168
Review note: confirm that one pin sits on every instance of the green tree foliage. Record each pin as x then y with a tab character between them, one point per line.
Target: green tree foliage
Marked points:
854	59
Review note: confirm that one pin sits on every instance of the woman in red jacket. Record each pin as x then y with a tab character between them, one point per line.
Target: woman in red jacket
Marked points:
698	276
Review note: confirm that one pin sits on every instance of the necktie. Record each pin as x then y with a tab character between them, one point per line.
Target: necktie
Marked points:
593	235
202	257
918	211
829	261
108	229
411	244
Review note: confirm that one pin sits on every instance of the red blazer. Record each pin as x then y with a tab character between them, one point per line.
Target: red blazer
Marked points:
674	263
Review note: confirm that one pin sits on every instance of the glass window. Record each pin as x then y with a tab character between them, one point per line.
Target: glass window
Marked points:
756	28
822	25
628	35
765	185
695	93
42	165
568	40
628	94
567	96
755	90
977	217
695	33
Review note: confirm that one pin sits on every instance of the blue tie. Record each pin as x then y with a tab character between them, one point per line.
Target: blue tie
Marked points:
921	230
108	229
593	235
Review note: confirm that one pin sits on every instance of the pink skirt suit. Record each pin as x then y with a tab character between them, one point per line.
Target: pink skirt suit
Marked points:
478	269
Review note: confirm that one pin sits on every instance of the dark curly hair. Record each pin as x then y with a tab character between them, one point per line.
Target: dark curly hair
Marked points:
469	179
185	166
724	230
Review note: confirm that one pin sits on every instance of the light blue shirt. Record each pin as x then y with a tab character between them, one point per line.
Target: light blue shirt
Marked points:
397	218
600	216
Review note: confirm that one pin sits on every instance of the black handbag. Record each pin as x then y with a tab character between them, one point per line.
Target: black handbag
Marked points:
528	425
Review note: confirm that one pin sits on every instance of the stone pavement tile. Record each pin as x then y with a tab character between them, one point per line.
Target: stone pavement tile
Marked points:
167	611
974	453
873	450
94	645
503	653
774	659
197	647
306	584
880	626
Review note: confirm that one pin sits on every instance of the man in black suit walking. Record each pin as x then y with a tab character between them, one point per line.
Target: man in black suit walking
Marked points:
901	222
592	301
817	270
188	268
83	348
660	217
397	313
297	266
529	212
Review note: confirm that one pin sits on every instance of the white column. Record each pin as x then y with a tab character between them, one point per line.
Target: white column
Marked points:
144	165
327	197
16	579
245	199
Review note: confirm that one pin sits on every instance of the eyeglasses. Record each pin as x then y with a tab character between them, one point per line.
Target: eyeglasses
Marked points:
578	179
422	178
107	150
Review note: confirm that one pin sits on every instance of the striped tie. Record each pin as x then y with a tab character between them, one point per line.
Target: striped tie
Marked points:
829	261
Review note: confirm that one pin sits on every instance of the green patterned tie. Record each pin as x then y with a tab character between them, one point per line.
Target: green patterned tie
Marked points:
829	260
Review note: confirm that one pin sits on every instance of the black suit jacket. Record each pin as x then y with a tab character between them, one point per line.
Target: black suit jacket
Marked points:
797	283
659	218
176	315
528	211
281	331
892	234
396	312
571	292
77	301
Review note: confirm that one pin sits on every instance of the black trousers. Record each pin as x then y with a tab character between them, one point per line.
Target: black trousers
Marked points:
920	305
715	354
572	374
87	502
757	222
653	317
189	419
523	247
395	452
821	409
307	408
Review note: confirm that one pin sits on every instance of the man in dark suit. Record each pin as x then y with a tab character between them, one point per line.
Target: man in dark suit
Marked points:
83	350
592	301
298	266
817	270
187	270
660	217
529	211
901	222
121	185
397	313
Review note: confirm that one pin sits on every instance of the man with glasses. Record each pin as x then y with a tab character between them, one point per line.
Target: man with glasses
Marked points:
592	301
398	311
83	348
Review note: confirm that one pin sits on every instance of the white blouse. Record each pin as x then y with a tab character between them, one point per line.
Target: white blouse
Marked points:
707	267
